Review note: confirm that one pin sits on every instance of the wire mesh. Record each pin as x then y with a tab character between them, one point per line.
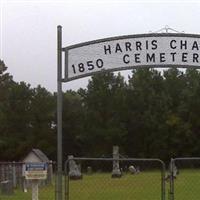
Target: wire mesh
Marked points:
14	186
99	179
185	179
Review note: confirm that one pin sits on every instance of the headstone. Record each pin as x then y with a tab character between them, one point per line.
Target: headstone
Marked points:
7	187
89	170
74	169
137	170
132	169
116	173
174	170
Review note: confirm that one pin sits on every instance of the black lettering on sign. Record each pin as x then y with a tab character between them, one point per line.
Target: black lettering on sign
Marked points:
118	48
128	46
138	45
173	56
126	59
137	58
195	57
90	65
99	63
184	57
81	67
147	44
107	49
162	57
173	44
183	44
154	44
151	58
195	46
74	69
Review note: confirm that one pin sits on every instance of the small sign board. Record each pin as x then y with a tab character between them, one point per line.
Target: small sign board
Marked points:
35	171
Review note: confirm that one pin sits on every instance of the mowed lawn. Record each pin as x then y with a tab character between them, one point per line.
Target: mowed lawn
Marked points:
187	185
45	193
143	186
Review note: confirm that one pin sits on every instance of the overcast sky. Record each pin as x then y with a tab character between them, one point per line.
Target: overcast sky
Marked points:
28	30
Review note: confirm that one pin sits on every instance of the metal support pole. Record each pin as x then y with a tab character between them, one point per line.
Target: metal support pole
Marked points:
59	113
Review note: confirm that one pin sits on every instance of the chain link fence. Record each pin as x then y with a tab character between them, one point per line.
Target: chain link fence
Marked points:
108	178
185	179
14	186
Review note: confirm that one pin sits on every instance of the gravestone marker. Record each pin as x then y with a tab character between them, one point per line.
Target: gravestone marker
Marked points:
132	169
74	169
7	187
89	170
116	173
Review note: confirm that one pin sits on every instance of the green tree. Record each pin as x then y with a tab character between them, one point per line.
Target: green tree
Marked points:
18	120
188	112
6	84
27	118
73	121
42	123
146	113
176	128
104	102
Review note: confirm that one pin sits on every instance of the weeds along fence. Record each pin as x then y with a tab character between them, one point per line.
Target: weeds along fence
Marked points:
14	186
185	179
108	178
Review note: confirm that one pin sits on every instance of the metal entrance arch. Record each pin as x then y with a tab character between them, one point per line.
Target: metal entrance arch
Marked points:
157	50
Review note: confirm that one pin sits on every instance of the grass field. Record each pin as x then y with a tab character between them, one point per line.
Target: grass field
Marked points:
187	185
45	193
100	186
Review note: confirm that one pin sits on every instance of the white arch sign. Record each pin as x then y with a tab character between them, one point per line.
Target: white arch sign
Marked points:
133	51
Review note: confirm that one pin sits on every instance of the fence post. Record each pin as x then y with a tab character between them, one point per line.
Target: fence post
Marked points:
35	193
171	179
67	180
163	180
59	115
14	174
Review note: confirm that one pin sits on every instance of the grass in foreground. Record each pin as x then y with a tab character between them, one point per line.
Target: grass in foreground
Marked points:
100	186
143	186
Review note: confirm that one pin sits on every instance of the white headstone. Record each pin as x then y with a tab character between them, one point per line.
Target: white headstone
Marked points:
74	169
116	173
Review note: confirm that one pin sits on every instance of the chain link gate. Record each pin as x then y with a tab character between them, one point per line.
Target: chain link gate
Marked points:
94	179
185	179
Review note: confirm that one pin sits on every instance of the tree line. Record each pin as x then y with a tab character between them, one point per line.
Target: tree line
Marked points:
153	114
